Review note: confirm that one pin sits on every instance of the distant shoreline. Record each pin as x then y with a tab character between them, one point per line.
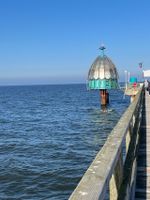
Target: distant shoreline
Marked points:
51	84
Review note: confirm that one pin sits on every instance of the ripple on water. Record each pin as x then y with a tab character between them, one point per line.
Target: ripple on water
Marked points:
49	136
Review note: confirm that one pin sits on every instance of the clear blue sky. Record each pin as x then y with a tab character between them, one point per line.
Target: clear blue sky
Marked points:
56	41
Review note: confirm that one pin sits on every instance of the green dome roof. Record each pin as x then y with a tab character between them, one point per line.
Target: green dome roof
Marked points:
103	74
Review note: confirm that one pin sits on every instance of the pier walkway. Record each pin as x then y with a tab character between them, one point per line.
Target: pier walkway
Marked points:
143	161
121	169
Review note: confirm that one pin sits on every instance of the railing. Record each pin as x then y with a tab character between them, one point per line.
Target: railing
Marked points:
113	171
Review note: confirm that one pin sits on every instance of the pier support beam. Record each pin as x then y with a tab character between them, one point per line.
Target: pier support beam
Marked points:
116	179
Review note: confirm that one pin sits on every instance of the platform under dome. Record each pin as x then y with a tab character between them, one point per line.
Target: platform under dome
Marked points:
103	74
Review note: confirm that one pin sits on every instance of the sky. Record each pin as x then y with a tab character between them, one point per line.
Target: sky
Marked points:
56	41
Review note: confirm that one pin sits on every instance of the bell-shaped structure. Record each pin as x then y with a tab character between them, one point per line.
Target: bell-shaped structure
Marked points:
103	73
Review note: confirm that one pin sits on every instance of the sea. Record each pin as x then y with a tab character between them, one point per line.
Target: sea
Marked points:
49	135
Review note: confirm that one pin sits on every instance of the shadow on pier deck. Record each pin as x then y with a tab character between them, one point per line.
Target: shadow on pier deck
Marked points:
143	161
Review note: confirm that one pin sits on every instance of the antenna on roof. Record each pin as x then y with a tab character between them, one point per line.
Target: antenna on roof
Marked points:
102	48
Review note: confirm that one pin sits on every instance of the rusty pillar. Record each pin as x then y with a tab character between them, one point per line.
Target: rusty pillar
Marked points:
104	97
107	96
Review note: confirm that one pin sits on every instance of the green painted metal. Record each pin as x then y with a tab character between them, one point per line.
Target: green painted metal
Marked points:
133	80
102	84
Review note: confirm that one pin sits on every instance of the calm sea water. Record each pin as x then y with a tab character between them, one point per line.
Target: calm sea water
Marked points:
49	136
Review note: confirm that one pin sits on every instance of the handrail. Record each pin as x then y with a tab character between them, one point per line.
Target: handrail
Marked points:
107	169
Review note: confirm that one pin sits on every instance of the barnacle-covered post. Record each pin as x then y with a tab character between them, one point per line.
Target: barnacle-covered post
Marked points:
103	76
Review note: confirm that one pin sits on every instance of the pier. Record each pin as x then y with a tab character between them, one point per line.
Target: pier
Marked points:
121	169
143	159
